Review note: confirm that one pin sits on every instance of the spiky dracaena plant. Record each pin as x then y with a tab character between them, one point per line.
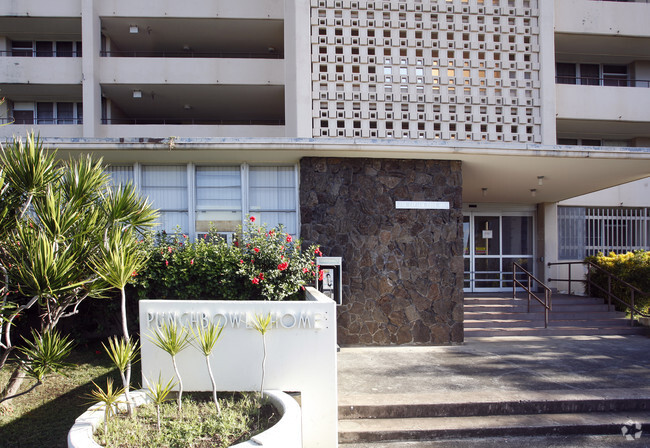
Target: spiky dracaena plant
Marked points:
172	339
204	341
262	325
45	353
158	392
123	352
109	399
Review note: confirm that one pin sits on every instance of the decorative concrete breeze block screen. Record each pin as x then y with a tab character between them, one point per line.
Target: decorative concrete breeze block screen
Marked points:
438	69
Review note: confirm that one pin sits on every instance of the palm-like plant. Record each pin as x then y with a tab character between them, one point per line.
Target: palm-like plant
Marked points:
123	352
158	392
45	353
262	325
204	341
109	399
172	339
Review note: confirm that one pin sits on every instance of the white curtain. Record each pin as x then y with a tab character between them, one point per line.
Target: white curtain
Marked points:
272	196
166	187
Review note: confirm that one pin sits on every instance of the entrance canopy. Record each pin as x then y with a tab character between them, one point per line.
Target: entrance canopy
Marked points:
504	173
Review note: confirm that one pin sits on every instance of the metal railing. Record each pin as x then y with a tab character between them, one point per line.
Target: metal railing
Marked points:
528	288
57	121
191	54
27	53
589	283
605	82
190	121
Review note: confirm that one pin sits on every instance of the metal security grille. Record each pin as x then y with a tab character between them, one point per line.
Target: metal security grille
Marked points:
616	229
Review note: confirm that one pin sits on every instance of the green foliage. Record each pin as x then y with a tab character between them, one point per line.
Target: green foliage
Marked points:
241	419
158	392
172	339
45	353
108	398
262	325
260	265
632	267
121	351
205	338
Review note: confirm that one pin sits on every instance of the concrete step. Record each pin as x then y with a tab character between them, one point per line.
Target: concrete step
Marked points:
524	308
375	430
538	315
554	331
554	441
519	301
494	402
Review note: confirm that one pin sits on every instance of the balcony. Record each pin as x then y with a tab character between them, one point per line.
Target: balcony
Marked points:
603	112
201	110
39	70
604	18
261	9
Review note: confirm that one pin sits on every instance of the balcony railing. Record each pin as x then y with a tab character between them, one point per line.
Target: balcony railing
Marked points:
11	120
191	121
27	53
608	82
192	54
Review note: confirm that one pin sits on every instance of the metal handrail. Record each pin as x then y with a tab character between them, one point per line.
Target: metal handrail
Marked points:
191	54
190	121
528	288
610	295
602	82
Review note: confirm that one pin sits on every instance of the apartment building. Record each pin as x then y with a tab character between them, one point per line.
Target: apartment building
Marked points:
429	143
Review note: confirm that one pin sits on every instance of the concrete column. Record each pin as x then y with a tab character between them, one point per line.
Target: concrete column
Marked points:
547	70
547	237
91	38
297	59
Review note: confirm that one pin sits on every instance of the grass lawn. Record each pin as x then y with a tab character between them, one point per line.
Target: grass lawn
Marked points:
43	417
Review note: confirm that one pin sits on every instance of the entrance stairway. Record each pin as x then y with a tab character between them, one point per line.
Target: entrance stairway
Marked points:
501	315
488	419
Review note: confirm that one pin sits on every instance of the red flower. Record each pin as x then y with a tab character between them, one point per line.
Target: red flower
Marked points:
255	281
252	218
236	243
169	249
192	262
283	266
317	251
166	262
241	261
289	239
320	275
271	232
133	274
184	236
256	249
261	276
305	270
180	243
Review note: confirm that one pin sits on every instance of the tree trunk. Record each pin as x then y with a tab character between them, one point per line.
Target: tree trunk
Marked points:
13	385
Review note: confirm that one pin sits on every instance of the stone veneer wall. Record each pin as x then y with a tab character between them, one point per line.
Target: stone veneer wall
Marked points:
402	269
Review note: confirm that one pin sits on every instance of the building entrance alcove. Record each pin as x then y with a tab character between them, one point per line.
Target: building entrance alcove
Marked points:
492	241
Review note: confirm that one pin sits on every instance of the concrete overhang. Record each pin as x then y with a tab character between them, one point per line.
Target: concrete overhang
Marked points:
508	171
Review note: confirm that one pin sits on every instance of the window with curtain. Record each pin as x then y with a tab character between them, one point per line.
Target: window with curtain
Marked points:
166	188
272	196
218	198
119	175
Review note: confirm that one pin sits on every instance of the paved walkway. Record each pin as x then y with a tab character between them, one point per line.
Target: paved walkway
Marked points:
485	368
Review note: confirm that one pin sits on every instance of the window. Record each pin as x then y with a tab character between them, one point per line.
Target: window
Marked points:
65	49
166	187
48	113
219	195
218	198
591	74
272	196
571	233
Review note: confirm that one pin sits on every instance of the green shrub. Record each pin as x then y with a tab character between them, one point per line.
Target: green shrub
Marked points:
632	267
261	264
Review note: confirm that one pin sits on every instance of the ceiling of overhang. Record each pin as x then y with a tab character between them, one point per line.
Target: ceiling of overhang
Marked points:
507	178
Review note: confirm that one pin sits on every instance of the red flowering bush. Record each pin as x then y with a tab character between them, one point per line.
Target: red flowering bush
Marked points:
260	265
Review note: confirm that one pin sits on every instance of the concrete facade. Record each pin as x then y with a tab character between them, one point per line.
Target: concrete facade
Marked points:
503	108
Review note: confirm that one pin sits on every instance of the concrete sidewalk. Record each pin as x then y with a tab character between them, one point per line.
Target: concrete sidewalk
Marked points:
487	370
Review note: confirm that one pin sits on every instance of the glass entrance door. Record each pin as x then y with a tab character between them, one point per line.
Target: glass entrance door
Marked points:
491	243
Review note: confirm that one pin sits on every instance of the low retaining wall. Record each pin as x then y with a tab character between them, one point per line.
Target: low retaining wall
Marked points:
286	433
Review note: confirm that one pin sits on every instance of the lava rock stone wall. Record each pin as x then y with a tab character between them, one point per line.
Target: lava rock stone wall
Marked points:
402	269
